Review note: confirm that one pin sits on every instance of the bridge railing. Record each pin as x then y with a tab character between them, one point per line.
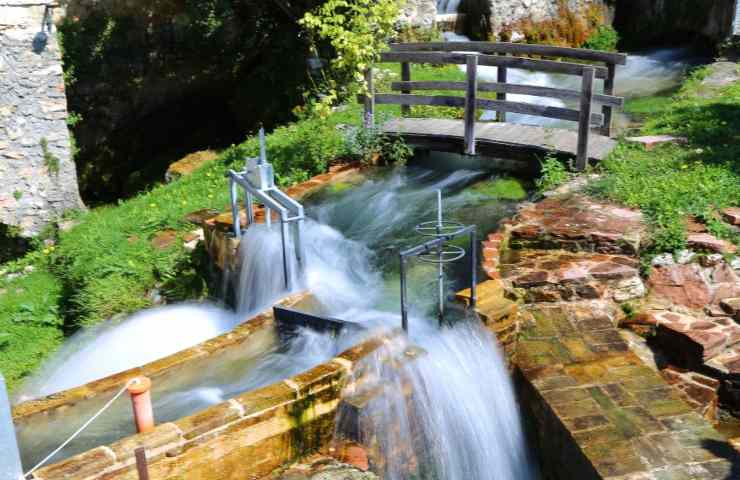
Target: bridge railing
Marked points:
602	65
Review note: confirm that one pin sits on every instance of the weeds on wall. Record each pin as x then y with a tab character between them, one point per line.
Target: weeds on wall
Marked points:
51	161
569	28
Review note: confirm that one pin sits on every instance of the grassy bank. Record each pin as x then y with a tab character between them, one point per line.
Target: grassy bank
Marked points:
672	182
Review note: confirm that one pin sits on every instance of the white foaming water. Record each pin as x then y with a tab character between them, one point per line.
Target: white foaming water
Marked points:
111	347
458	421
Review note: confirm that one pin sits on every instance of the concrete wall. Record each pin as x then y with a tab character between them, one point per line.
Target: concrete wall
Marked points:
35	188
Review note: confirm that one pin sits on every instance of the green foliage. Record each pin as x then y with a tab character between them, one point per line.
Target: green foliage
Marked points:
51	161
410	33
17	194
553	173
605	37
29	323
357	30
371	146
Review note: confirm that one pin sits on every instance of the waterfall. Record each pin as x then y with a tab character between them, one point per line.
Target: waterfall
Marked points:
448	414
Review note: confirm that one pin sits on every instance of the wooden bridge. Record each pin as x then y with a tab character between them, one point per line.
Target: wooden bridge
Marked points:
591	141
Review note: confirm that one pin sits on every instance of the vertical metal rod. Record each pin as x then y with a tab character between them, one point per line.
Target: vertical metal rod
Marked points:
263	147
142	466
404	312
440	268
298	245
284	239
473	267
235	208
501	78
10	459
249	207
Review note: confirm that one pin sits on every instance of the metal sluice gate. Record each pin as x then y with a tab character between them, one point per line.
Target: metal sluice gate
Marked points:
258	182
437	251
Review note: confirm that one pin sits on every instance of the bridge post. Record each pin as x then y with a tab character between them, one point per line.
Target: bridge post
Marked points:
606	129
584	117
369	99
501	78
405	77
471	102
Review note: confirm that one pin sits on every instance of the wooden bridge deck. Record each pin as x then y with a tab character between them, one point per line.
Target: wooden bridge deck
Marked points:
496	138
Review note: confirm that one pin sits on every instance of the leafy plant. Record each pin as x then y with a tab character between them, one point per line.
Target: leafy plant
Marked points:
17	194
357	30
371	145
552	174
605	37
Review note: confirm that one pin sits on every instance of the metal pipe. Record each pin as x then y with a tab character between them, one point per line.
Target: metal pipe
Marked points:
10	459
250	208
440	267
404	312
234	207
141	401
473	265
283	239
263	147
142	466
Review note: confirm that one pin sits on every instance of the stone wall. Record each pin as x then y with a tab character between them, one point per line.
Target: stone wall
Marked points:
507	12
38	180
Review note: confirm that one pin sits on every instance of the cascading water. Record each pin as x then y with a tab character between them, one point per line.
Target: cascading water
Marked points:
447	414
447	6
113	346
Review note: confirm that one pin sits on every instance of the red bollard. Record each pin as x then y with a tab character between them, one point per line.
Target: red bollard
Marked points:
141	400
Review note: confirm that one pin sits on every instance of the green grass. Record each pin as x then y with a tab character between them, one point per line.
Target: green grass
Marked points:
643	107
30	324
504	188
674	181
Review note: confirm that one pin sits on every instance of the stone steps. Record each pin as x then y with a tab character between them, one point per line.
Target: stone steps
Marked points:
559	275
694	341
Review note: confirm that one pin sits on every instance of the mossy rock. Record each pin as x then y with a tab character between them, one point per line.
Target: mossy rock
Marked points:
504	188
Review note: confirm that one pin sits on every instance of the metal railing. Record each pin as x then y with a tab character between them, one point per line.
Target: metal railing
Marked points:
257	181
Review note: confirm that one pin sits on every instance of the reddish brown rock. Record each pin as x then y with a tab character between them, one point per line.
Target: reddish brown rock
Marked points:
681	285
732	307
706	241
652	141
355	455
164	239
732	215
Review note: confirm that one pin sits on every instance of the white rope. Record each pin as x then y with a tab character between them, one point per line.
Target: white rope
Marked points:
84	426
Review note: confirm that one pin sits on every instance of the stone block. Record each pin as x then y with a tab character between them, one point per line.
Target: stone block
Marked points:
652	141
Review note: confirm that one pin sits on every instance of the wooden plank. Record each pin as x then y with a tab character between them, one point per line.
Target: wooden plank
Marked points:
513	48
471	72
559	113
444	58
501	79
142	467
406	77
404	99
369	99
515	88
583	122
606	129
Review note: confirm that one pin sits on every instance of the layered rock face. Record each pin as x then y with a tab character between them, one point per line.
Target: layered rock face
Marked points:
507	12
38	180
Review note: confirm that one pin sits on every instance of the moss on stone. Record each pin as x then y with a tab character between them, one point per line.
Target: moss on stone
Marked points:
505	188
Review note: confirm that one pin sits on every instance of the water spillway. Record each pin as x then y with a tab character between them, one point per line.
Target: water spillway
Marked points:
352	242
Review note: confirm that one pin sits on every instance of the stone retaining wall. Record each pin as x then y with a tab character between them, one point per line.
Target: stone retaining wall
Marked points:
246	437
38	179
